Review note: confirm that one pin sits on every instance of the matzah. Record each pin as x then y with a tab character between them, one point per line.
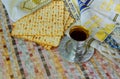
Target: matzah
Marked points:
68	23
36	38
45	40
66	16
49	40
46	46
52	41
45	21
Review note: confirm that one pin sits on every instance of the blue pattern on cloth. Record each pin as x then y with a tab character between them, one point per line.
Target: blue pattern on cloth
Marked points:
109	40
83	6
87	2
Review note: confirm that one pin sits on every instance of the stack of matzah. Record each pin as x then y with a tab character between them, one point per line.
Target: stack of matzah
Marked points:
46	26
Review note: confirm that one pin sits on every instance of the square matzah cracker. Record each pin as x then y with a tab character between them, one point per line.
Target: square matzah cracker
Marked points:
69	22
45	21
46	41
66	16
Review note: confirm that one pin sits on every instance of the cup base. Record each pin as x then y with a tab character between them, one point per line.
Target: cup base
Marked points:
68	54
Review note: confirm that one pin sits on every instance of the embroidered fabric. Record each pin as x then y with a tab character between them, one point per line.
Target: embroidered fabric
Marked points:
114	38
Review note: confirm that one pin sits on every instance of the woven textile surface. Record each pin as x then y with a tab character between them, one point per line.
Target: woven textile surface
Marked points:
21	59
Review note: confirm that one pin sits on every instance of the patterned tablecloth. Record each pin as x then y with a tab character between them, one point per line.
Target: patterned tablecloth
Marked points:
21	59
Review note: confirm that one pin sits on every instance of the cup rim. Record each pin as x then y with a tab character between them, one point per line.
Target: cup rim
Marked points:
81	27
